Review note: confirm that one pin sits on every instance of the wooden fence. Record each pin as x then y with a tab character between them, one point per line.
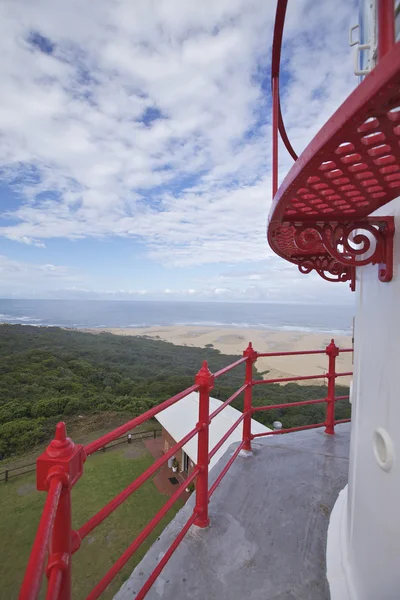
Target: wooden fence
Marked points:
8	474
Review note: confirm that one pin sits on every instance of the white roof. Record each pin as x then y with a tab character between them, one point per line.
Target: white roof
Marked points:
180	418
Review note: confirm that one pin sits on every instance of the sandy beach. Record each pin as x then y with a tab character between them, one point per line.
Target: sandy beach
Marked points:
234	341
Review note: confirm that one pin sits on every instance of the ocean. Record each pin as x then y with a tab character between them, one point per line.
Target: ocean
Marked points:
104	313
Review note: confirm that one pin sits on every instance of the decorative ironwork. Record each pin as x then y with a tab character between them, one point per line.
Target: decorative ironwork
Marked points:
349	170
348	244
327	267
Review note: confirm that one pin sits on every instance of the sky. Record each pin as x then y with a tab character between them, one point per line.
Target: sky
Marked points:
135	154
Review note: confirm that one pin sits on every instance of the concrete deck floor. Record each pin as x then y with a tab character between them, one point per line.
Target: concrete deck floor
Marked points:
269	520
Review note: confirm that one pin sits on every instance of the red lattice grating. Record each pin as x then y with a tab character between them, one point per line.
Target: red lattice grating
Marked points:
352	167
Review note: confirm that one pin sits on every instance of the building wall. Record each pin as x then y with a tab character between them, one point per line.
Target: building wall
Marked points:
167	443
374	480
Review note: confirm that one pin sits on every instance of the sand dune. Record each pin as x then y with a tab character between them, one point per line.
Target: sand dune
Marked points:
234	341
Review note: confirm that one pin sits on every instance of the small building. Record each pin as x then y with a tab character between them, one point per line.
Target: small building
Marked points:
180	418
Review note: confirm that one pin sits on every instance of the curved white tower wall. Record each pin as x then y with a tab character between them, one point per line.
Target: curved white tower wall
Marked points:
373	509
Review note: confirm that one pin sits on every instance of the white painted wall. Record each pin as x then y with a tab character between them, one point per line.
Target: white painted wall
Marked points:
373	509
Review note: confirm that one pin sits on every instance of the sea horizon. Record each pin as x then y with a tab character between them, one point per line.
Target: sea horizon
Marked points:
99	314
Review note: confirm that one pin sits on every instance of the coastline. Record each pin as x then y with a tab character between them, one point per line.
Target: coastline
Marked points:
229	340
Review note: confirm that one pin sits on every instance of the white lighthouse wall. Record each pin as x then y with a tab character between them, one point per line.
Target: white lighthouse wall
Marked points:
374	477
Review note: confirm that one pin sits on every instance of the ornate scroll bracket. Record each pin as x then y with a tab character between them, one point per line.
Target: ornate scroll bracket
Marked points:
349	245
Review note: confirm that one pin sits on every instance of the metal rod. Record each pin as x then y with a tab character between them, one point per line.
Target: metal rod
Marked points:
275	120
279	431
143	535
113	435
288	405
229	367
54	584
117	501
34	571
225	470
251	357
287	379
332	352
205	379
142	593
386	27
226	436
227	402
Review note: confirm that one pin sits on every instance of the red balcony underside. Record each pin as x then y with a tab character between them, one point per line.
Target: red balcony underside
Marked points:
351	167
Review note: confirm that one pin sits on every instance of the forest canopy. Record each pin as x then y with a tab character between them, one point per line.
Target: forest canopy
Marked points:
51	373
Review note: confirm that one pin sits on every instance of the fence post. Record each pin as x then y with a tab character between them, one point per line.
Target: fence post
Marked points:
63	457
6	476
154	433
251	355
205	380
332	351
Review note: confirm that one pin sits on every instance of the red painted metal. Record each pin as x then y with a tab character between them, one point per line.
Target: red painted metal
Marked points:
142	593
298	353
132	487
226	435
229	401
143	535
275	118
251	357
288	405
278	123
34	571
287	379
289	430
61	465
225	469
205	381
58	469
342	421
54	585
333	352
351	168
113	435
386	27
229	367
339	239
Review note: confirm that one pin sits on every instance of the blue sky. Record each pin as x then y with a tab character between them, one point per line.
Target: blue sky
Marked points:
135	159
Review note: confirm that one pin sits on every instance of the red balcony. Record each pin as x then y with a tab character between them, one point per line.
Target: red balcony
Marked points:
320	214
308	468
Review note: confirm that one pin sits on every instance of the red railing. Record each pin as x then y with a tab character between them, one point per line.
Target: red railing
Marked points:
61	465
386	40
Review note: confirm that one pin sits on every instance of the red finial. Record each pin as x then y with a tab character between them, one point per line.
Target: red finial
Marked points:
61	445
250	352
61	432
332	349
204	377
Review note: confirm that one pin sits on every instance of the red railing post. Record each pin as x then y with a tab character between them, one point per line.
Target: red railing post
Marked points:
251	355
386	27
332	351
205	380
63	459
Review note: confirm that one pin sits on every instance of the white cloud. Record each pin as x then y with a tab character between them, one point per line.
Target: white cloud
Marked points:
22	277
81	137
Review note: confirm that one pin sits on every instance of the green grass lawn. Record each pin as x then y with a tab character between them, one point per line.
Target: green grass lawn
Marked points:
105	475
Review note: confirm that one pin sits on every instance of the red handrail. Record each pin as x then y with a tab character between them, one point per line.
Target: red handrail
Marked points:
113	435
34	571
61	465
123	559
107	510
277	119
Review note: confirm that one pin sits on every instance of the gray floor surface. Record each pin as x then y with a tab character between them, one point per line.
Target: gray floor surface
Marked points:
269	519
